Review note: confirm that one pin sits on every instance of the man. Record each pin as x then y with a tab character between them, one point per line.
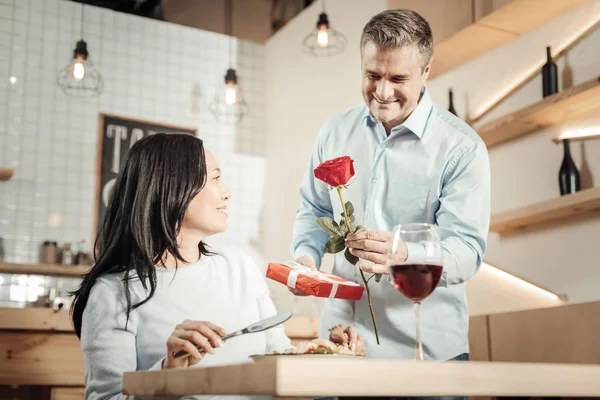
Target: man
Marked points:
415	162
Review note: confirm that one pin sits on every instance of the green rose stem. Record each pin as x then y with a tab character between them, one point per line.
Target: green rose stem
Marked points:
362	275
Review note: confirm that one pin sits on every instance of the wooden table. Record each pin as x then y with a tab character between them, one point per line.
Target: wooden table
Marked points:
315	376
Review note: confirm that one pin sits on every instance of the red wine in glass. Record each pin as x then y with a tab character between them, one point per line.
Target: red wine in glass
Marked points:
416	281
415	257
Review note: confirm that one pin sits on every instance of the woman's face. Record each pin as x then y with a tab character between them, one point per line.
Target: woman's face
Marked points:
207	212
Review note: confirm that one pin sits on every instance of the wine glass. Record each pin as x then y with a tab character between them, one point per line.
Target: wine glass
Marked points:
418	275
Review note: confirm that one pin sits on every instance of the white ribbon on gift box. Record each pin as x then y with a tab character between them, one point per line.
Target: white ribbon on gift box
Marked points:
297	269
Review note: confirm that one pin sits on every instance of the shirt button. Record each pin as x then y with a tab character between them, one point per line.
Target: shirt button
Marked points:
374	180
368	215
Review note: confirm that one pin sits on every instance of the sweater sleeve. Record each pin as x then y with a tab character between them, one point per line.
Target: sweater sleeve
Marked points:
276	337
108	343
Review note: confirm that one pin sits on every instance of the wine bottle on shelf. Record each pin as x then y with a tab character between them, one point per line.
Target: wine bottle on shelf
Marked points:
549	75
451	102
568	176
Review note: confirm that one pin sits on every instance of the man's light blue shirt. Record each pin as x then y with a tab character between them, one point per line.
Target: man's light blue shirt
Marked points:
432	168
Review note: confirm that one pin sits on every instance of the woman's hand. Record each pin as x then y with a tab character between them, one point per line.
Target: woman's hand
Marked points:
348	337
186	337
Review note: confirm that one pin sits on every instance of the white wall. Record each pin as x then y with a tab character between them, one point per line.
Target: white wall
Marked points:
562	257
153	71
302	92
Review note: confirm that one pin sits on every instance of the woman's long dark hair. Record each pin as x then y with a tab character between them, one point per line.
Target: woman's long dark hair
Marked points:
161	175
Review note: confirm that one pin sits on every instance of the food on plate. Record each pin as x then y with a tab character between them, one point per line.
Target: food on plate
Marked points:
322	346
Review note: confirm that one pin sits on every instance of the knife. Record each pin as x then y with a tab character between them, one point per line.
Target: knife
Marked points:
259	326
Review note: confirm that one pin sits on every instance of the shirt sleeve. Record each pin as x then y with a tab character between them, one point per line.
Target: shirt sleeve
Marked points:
463	217
108	343
308	237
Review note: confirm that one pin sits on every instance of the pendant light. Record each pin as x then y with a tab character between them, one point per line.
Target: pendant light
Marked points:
228	104
80	78
324	40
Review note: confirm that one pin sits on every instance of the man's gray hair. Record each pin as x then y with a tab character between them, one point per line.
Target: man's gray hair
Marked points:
393	29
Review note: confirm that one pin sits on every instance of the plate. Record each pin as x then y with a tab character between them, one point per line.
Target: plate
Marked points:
260	356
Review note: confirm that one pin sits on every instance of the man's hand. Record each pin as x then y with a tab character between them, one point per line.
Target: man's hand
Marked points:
347	337
307	262
371	246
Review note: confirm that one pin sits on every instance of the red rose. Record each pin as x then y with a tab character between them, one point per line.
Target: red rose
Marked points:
336	172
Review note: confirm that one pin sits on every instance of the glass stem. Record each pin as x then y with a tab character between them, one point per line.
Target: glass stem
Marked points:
418	346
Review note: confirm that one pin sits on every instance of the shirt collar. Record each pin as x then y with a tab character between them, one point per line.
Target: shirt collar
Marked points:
415	122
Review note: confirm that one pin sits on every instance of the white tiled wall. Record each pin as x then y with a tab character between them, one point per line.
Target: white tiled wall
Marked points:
152	70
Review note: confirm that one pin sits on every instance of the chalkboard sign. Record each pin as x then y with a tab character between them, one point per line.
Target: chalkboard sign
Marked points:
116	136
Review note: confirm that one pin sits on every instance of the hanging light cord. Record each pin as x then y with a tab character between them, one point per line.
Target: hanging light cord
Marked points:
228	27
82	8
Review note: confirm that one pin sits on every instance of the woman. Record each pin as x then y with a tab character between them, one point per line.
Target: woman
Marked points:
156	284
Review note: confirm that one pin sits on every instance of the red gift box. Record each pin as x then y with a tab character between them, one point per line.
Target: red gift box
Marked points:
315	283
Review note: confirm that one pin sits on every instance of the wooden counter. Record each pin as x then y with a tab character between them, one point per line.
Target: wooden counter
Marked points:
39	348
45	319
308	376
38	319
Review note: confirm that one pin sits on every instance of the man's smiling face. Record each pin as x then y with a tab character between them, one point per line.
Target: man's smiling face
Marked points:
392	81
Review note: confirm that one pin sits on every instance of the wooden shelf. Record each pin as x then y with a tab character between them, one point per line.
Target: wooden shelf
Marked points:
6	173
73	271
495	29
552	210
581	138
552	110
